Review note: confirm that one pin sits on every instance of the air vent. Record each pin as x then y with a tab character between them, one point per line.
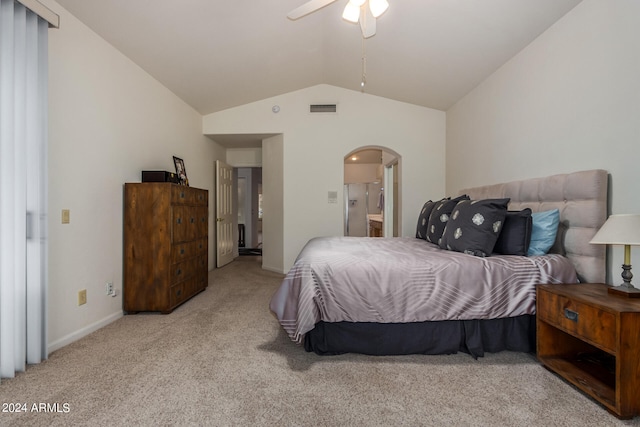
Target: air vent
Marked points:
323	108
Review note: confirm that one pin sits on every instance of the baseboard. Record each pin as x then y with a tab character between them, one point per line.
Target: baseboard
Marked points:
75	336
273	269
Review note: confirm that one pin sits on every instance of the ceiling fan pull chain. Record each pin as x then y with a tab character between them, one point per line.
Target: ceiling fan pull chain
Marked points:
364	66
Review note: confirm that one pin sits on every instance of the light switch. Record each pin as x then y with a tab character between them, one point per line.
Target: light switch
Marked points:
332	196
65	216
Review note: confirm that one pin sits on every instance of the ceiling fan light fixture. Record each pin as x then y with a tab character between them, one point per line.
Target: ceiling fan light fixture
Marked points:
351	12
378	7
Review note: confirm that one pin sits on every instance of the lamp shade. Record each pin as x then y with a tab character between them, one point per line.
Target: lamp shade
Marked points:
623	229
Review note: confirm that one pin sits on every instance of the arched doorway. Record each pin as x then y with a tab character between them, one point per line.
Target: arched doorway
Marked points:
372	192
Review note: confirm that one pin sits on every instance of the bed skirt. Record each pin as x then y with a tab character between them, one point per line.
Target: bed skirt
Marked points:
445	337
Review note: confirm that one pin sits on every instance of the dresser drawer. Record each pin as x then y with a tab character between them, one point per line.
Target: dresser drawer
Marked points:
201	246
201	197
201	264
182	270
177	294
189	196
202	218
579	319
182	251
182	195
190	287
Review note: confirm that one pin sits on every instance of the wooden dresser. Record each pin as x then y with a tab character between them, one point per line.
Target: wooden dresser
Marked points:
165	245
592	339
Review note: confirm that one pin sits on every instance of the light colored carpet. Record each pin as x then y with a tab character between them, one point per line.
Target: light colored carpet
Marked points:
221	359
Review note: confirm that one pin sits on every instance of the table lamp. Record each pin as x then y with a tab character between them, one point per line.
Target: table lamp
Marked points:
621	230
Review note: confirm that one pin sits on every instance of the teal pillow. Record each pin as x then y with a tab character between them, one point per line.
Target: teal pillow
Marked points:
543	231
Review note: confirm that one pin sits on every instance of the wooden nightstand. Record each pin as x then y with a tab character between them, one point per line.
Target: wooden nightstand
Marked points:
592	339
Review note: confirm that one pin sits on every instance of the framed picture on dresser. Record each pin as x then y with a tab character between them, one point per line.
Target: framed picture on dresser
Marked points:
181	171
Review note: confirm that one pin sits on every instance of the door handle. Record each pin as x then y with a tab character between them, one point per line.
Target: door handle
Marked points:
219	219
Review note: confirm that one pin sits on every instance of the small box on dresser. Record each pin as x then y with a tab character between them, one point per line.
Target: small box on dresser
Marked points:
592	339
160	176
165	245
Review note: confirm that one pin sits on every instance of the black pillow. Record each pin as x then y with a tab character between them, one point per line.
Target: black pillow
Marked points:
515	236
474	226
439	217
423	219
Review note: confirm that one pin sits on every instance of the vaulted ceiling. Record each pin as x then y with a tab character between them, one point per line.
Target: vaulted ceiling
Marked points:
217	54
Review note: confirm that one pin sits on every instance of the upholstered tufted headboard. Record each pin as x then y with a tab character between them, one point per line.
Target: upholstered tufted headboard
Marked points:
581	198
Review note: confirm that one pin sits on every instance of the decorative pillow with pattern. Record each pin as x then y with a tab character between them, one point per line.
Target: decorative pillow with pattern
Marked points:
439	217
474	226
515	236
423	219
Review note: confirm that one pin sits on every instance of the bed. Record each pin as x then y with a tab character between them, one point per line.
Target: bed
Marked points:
406	295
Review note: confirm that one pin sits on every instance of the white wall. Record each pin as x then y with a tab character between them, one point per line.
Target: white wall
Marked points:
244	157
569	101
108	121
314	146
272	203
362	173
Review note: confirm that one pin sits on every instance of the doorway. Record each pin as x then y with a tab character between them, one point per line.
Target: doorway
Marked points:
249	184
371	192
363	202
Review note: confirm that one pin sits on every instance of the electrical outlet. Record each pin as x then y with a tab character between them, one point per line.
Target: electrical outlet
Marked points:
109	288
82	297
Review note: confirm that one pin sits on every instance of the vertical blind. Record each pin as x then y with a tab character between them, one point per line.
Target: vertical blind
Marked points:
23	187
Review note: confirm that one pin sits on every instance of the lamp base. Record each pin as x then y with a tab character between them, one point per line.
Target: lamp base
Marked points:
624	290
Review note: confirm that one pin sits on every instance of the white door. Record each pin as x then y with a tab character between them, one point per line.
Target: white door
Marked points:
224	213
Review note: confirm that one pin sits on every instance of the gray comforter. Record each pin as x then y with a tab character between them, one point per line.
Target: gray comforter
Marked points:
399	280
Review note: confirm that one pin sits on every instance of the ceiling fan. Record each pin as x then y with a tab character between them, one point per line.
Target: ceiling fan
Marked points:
363	11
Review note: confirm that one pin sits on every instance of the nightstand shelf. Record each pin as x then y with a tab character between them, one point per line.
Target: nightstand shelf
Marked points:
594	380
592	340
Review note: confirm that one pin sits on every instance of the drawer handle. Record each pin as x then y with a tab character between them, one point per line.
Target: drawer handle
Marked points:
179	272
571	315
182	251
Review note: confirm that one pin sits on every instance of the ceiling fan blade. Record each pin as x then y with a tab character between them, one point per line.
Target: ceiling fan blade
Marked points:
307	8
367	22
